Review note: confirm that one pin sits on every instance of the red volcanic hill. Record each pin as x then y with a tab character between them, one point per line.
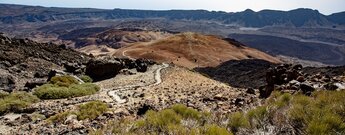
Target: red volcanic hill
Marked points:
193	50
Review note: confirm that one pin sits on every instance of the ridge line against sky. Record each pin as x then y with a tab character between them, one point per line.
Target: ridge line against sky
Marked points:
324	6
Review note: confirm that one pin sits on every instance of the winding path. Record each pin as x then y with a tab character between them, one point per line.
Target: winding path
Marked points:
113	91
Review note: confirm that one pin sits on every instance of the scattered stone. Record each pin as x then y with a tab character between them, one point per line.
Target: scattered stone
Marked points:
250	91
330	86
300	79
34	83
306	88
7	82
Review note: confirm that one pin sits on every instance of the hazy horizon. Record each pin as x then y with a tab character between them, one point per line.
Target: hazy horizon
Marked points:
324	6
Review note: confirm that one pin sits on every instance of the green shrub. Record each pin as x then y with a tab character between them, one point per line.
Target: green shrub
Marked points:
283	100
91	110
16	102
238	120
86	79
83	89
172	121
325	125
176	129
60	117
160	120
216	130
65	80
320	114
3	94
52	91
256	116
185	112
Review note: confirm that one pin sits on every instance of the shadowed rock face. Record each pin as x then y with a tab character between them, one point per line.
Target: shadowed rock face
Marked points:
108	67
101	69
268	77
16	51
7	82
242	73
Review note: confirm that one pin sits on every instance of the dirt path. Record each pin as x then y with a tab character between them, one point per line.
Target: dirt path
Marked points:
124	55
112	92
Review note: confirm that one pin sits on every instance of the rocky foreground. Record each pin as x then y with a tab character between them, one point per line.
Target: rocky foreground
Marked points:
129	88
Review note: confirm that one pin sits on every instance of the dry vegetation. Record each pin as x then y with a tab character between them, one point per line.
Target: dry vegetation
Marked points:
65	87
321	113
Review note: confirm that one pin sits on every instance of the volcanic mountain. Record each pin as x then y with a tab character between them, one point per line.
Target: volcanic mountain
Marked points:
193	50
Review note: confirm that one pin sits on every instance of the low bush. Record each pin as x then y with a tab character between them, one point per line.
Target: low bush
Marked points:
257	116
60	117
65	80
178	119
185	112
159	121
238	120
16	102
216	130
3	94
90	110
323	113
53	91
86	79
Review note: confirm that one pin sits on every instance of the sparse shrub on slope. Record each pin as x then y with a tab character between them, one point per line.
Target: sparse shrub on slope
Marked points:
323	113
64	81
238	120
216	130
185	112
52	91
90	110
178	119
65	87
86	79
3	94
16	102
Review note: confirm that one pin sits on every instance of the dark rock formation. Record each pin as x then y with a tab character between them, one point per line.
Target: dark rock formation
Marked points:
7	82
103	69
34	83
25	60
242	73
141	65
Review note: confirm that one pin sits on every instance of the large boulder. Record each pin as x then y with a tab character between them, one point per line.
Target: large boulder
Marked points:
142	65
7	82
307	89
34	83
103	69
71	67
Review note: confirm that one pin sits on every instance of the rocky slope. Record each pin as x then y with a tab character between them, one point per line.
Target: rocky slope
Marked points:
193	50
23	61
260	74
114	38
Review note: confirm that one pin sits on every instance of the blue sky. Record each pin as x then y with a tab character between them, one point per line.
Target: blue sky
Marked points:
324	6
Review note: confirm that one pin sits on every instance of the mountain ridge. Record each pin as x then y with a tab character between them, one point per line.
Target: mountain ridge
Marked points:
298	17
